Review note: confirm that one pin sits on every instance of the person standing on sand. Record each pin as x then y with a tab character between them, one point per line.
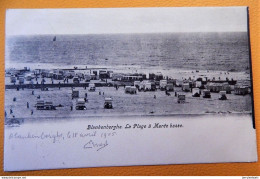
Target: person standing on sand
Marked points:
27	104
32	112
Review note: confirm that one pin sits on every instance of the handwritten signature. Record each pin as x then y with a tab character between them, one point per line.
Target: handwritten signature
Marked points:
94	145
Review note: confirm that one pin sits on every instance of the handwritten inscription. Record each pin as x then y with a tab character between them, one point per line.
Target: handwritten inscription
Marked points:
95	145
55	137
93	138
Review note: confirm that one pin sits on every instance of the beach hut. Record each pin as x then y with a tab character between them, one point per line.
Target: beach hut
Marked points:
151	76
95	72
44	73
226	87
92	87
12	79
195	92
214	87
57	76
143	75
158	76
93	77
110	74
130	89
127	89
153	86
179	83
169	87
87	77
137	84
76	80
186	87
79	74
50	74
147	86
37	71
69	74
133	90
49	106
108	103
59	71
222	95
103	75
198	84
21	80
163	84
117	77
80	104
206	94
28	77
142	84
181	98
241	90
39	105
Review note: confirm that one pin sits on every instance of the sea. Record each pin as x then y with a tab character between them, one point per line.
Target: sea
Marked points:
196	51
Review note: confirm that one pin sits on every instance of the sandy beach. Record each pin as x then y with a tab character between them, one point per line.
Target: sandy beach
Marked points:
142	103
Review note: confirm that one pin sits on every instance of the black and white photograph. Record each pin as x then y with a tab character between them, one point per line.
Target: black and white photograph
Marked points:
160	84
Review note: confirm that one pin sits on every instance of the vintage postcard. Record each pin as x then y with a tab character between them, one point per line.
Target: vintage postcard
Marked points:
127	86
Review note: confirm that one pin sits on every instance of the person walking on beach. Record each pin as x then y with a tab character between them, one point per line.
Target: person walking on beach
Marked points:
71	107
27	104
32	112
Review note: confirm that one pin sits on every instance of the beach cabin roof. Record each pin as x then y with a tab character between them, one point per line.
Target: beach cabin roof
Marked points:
222	92
206	91
81	100
108	99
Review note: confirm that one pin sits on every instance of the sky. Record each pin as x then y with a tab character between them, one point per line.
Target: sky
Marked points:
125	20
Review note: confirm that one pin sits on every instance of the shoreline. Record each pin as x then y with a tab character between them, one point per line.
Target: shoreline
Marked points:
175	73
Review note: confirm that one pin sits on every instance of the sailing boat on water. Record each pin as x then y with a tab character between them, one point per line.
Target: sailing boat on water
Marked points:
54	39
